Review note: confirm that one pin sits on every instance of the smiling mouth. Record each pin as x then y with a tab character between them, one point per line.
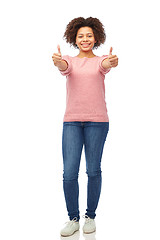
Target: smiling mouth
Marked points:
85	45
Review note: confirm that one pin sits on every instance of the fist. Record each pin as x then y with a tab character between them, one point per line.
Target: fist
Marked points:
57	57
112	59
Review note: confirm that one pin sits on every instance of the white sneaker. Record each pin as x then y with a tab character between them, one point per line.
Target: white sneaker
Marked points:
89	225
71	227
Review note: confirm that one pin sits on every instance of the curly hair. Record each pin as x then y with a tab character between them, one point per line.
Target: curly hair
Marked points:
75	24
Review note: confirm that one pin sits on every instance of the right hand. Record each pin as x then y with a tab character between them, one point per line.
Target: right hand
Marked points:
57	57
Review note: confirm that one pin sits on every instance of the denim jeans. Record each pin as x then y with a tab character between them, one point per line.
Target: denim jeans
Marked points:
93	136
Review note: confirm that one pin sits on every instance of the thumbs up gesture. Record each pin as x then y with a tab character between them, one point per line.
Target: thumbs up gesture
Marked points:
111	61
57	57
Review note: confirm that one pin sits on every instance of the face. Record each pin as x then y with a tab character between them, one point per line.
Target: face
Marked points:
85	39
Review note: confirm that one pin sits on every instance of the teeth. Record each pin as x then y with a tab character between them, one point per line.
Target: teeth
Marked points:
85	44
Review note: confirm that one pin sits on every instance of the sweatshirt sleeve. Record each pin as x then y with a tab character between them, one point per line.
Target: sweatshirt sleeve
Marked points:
102	69
69	68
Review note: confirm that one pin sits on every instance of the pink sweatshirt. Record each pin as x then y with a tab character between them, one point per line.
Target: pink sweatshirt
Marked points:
85	89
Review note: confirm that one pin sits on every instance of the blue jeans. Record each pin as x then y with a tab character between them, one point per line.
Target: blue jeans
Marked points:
93	136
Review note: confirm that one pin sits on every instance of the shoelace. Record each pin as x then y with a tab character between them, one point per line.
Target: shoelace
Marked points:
87	219
72	221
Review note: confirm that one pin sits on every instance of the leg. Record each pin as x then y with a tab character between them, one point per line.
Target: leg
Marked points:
72	144
95	134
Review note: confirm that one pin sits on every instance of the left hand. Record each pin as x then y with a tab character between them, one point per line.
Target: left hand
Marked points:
111	61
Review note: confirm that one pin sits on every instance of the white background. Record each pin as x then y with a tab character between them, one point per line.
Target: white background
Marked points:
32	105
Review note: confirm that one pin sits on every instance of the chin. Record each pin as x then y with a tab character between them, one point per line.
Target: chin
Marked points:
86	49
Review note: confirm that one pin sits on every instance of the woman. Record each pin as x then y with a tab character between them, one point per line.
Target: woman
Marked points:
86	120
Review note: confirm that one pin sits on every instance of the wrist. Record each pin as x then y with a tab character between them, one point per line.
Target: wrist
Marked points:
62	65
106	64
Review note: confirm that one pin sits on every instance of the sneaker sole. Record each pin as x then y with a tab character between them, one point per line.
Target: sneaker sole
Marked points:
69	234
89	232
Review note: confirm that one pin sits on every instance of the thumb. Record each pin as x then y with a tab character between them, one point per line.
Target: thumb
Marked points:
59	50
110	52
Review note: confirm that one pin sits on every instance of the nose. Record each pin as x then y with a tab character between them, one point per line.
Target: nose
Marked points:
84	38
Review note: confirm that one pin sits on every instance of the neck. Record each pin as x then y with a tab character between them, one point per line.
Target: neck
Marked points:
88	54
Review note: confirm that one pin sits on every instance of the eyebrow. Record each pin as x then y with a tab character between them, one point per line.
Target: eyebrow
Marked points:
87	33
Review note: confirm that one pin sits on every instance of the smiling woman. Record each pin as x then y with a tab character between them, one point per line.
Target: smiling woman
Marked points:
86	119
